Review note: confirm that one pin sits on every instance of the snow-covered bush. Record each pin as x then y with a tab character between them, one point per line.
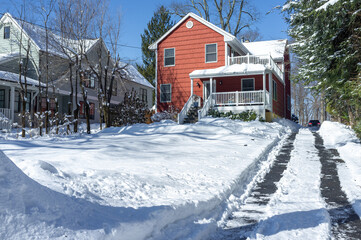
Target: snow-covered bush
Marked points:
171	115
246	116
131	111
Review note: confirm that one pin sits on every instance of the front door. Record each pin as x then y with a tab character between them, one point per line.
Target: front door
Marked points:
207	88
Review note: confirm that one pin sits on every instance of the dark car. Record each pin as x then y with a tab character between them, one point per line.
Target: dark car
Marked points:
314	123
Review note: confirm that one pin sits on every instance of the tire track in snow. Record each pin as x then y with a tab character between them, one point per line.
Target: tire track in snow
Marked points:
245	219
345	223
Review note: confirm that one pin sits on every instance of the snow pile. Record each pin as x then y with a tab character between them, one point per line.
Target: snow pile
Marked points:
343	138
135	182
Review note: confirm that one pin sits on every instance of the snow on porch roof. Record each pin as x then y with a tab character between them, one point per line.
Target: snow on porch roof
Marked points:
274	47
231	70
13	77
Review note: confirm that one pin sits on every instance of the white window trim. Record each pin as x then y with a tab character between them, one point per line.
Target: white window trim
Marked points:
205	53
160	91
164	58
254	84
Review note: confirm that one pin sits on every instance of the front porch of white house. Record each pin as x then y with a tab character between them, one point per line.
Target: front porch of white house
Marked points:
10	98
256	99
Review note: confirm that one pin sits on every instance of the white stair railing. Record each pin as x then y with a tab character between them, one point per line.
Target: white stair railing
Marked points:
206	106
5	118
191	100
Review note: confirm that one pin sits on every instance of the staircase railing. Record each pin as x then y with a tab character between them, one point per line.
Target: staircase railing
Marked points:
206	106
183	114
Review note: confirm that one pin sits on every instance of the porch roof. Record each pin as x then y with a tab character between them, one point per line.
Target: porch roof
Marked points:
230	70
13	77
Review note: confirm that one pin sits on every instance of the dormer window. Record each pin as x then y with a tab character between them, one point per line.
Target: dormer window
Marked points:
7	32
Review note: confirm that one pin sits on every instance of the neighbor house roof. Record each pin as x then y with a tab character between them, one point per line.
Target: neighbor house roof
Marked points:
229	38
13	77
131	73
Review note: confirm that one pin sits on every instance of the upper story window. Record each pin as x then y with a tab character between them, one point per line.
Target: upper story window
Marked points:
211	52
169	57
7	32
248	84
165	93
143	95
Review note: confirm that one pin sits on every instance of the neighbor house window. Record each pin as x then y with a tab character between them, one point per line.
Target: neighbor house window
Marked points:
248	84
169	57
211	52
92	111
82	110
143	95
89	80
165	93
274	89
6	32
2	98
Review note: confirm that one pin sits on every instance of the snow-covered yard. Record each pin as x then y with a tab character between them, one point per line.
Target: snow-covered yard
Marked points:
131	182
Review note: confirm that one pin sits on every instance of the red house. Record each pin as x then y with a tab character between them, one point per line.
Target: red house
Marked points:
200	64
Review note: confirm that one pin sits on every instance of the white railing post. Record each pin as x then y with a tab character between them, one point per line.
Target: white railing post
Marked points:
247	58
237	98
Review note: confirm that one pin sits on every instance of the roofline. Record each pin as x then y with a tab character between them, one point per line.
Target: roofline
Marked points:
229	38
229	75
21	29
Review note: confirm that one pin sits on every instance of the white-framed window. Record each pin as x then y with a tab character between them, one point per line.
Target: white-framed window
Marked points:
211	52
169	57
2	98
6	32
248	84
143	95
274	90
165	93
289	102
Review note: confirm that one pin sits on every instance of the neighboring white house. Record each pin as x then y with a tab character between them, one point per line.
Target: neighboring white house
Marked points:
14	32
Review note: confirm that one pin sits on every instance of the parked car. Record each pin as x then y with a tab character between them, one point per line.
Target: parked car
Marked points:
314	123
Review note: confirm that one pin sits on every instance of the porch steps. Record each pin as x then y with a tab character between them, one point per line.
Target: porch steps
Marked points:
192	115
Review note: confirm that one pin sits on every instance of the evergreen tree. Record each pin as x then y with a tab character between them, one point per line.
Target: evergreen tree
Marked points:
327	35
159	24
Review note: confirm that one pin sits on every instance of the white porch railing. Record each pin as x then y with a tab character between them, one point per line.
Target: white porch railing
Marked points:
5	118
266	60
206	106
226	99
192	99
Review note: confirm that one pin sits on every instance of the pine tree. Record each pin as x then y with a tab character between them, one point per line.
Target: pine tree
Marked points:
327	38
159	24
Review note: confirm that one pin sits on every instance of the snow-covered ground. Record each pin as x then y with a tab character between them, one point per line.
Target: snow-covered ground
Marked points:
137	182
343	138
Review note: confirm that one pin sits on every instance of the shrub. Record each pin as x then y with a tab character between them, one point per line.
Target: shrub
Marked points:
246	116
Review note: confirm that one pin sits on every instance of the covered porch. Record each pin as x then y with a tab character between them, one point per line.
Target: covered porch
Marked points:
236	88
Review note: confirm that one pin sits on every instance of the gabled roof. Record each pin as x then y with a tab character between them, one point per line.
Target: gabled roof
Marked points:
229	38
37	35
274	47
131	74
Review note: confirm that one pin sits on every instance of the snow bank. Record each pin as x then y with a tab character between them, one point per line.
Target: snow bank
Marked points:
343	138
156	181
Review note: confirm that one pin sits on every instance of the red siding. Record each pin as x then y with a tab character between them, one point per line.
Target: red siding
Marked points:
189	47
278	105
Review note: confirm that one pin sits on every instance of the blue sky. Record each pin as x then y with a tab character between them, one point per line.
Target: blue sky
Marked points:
137	13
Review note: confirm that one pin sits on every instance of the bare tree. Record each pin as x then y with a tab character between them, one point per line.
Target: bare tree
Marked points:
231	15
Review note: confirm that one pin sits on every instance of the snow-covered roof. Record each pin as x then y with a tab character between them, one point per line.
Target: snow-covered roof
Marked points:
132	74
38	36
13	77
4	57
230	70
274	47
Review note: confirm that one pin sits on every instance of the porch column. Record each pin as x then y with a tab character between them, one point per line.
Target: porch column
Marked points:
191	86
12	102
264	88
270	80
211	89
